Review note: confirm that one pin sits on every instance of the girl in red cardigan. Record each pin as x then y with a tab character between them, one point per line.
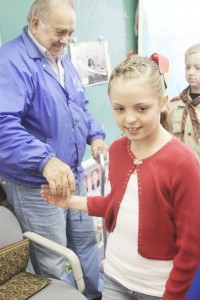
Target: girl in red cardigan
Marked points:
152	213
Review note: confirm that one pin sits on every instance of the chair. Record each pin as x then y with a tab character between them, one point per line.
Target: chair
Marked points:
10	236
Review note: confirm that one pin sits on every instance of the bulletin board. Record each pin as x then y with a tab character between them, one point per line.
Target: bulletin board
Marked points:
112	20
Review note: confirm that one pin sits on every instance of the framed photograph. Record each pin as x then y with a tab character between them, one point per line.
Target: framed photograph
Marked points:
91	60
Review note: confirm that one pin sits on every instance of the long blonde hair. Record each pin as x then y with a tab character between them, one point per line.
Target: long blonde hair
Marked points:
135	67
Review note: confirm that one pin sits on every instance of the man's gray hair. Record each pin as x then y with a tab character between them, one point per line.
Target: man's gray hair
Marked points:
41	8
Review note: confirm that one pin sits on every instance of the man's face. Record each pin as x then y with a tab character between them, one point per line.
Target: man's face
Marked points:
55	34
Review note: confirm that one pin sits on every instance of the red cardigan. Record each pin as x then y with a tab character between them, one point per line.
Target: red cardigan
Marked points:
169	207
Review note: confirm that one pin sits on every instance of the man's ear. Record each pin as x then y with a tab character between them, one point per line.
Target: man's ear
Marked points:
34	25
164	103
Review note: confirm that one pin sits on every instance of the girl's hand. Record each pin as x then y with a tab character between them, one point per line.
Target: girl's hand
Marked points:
72	201
52	198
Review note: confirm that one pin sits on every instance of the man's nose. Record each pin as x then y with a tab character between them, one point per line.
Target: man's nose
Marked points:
65	39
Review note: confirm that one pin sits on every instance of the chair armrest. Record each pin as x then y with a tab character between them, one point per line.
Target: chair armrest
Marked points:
63	251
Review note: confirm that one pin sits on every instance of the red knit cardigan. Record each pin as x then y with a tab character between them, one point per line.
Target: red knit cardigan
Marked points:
169	207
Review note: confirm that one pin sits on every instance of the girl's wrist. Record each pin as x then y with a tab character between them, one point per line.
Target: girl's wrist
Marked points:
78	203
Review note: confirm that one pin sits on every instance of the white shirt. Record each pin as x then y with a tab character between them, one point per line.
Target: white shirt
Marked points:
56	66
123	263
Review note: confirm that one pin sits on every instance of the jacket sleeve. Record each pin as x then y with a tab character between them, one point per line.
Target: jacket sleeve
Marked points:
19	149
97	205
185	194
95	129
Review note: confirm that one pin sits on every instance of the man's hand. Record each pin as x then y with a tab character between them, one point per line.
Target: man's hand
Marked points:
60	177
99	145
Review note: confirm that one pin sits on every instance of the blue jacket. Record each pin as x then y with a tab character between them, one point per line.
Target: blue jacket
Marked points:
38	118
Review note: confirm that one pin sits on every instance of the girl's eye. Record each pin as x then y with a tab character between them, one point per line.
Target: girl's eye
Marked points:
142	108
118	109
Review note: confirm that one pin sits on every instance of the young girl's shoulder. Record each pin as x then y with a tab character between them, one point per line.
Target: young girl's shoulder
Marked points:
120	142
119	145
179	151
119	151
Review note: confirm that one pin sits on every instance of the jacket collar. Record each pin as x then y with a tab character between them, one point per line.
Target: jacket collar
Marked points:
32	49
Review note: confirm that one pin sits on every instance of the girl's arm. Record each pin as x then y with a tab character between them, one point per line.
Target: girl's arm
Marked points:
74	202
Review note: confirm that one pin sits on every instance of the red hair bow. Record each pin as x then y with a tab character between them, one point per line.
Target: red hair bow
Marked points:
162	62
131	52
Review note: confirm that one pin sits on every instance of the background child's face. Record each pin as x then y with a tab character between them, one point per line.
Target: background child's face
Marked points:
136	108
192	71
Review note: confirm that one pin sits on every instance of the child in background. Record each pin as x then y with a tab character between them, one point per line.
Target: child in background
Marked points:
152	212
185	108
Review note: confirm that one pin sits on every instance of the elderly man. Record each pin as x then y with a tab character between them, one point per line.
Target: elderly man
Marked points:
44	129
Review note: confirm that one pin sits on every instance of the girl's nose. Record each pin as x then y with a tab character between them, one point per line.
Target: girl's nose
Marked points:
130	117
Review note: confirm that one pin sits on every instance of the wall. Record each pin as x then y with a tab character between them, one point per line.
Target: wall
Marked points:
112	19
171	41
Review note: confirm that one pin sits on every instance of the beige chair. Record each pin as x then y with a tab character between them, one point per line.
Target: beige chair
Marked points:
13	243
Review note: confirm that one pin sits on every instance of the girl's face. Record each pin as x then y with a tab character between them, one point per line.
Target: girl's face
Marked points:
135	108
192	71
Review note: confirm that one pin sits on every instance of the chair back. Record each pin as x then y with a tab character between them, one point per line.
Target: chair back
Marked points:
10	230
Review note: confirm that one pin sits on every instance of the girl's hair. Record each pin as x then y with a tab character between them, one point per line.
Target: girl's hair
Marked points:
41	8
135	67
